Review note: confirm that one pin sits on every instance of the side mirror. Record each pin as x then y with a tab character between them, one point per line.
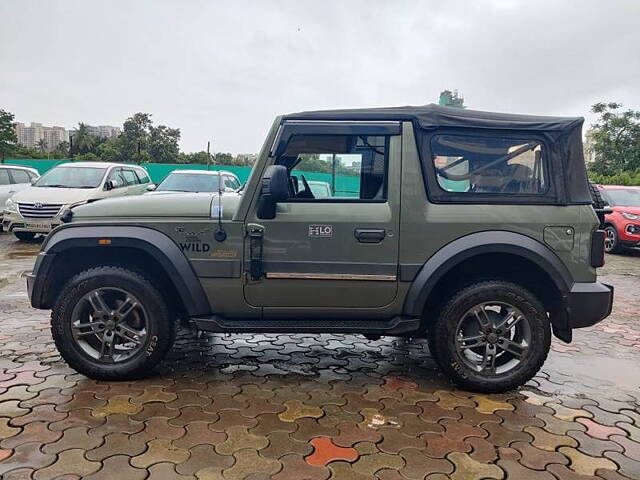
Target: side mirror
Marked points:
152	187
34	180
275	188
108	185
229	190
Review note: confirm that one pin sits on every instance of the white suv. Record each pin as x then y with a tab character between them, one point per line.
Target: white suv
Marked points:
37	209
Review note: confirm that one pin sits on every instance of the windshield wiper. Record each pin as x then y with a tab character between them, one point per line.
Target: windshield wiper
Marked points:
52	186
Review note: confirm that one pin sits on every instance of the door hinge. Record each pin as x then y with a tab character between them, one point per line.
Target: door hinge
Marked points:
256	234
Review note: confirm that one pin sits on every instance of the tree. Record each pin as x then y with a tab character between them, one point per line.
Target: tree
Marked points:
83	141
163	143
134	137
616	139
8	137
42	145
61	150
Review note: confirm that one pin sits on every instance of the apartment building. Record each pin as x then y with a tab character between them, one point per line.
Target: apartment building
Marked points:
31	135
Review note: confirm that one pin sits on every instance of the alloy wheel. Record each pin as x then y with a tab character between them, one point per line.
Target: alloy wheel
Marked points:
109	325
609	239
493	338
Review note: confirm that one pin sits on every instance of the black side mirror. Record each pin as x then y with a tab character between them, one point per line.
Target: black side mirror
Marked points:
275	188
108	185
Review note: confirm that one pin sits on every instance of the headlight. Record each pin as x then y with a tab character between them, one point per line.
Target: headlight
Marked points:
10	206
630	216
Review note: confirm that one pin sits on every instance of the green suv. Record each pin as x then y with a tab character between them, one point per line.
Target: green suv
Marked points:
472	229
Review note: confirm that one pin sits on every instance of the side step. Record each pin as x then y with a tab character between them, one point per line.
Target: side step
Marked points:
392	326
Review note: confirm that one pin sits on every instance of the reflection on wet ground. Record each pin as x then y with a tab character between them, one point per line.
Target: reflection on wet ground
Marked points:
317	406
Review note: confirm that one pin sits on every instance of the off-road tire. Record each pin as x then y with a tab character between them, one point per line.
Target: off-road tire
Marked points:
610	231
25	236
443	336
162	328
596	197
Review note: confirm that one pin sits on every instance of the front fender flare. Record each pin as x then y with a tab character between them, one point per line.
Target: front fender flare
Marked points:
477	244
155	243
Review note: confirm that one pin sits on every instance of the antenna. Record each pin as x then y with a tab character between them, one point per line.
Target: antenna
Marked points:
220	234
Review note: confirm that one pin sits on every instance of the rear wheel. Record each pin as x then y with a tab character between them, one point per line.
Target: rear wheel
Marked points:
25	236
110	323
611	242
491	336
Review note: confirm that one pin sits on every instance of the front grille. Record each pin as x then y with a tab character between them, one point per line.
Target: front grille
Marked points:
39	210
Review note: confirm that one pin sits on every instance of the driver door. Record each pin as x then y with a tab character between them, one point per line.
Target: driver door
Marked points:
338	253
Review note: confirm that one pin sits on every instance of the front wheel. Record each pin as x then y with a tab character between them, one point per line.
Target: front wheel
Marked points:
25	236
110	323
491	336
611	243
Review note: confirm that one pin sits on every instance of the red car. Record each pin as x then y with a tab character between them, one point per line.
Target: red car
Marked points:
622	227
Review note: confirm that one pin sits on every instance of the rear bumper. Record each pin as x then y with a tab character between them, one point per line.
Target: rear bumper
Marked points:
587	304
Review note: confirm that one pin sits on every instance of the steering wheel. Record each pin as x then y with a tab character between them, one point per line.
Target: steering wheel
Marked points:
306	193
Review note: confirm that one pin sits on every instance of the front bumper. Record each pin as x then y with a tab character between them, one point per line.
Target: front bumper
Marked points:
588	303
14	222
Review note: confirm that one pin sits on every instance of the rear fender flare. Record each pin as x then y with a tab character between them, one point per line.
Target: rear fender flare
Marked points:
155	243
480	243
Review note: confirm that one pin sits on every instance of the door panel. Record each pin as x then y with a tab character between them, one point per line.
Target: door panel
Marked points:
312	256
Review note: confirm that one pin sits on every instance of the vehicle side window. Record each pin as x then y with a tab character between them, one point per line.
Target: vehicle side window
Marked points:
4	176
116	178
129	177
337	167
231	182
142	176
20	176
489	165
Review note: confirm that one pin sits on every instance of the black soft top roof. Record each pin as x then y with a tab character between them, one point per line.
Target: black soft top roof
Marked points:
564	134
431	116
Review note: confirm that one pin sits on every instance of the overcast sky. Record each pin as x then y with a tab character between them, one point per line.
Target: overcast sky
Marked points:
221	71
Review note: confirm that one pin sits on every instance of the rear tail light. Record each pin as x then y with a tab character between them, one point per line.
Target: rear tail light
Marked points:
597	248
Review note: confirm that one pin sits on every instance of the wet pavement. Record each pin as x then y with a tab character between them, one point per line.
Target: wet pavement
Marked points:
317	406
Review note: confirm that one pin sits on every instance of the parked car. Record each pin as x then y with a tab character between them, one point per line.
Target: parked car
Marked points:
14	178
37	209
473	229
622	225
197	181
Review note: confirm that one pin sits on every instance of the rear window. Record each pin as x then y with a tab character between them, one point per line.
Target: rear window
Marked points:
489	165
130	177
142	176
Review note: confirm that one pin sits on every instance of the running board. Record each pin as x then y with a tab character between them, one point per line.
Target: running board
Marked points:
392	326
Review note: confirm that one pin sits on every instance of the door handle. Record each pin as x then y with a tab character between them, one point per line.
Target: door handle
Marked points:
368	235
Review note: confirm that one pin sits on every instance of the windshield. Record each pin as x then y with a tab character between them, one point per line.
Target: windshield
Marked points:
72	177
189	182
623	197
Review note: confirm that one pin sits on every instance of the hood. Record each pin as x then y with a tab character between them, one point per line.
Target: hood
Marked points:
635	210
65	196
169	205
